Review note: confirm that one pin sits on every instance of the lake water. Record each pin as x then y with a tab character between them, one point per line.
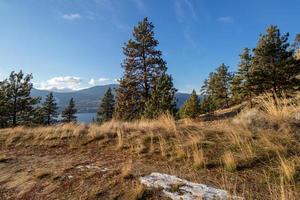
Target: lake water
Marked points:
85	117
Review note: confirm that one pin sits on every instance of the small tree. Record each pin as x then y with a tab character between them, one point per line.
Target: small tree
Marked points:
190	108
49	109
242	86
20	105
162	98
68	115
275	68
207	105
106	108
217	86
4	116
297	46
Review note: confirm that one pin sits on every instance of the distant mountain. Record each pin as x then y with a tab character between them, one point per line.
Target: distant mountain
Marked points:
87	100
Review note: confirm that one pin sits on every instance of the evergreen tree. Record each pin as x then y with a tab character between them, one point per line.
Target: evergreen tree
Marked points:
49	109
275	68
128	99
20	105
217	88
143	65
191	107
4	116
207	105
162	99
68	115
297	46
219	85
106	108
242	86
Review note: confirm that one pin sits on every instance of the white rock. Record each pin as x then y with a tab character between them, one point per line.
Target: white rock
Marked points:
186	190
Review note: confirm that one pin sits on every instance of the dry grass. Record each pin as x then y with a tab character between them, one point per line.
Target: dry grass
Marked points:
126	171
42	173
288	168
136	192
229	161
259	148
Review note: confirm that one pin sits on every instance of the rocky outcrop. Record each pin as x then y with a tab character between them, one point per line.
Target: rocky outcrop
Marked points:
180	189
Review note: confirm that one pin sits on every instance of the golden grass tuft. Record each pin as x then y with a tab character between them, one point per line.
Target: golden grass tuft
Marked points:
136	192
198	157
126	171
41	173
229	161
278	109
288	168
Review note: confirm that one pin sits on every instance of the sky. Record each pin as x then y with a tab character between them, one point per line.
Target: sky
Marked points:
75	44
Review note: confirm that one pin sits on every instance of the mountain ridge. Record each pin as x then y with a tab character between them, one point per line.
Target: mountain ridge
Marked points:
87	100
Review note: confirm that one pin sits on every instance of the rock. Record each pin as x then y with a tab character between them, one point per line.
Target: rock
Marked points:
91	167
180	189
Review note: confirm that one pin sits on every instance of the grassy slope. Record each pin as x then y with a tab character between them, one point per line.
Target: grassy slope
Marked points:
256	154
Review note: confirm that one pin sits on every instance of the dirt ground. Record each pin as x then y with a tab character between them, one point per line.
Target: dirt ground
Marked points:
90	172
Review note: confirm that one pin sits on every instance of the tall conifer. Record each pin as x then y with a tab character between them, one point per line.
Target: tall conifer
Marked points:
106	108
20	105
162	99
49	109
190	109
4	116
275	68
242	84
68	115
143	66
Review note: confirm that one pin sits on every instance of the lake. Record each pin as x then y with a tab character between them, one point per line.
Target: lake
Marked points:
85	117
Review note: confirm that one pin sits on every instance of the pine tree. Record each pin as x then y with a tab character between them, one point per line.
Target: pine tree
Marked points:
207	105
49	109
20	105
217	87
162	99
297	46
191	107
128	99
68	115
4	116
106	108
242	86
275	68
143	65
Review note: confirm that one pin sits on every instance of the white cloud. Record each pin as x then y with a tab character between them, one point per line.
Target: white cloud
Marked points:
60	83
226	19
92	81
71	16
103	80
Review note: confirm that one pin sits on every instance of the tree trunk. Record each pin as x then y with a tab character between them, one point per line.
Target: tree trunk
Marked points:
15	112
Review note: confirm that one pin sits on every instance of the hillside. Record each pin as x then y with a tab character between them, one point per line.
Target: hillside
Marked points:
87	100
252	155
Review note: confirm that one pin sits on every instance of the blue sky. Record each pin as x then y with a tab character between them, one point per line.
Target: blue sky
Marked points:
73	44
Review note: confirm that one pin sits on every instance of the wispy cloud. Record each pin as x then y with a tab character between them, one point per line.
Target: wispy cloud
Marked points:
60	83
140	4
226	19
184	9
101	81
71	16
